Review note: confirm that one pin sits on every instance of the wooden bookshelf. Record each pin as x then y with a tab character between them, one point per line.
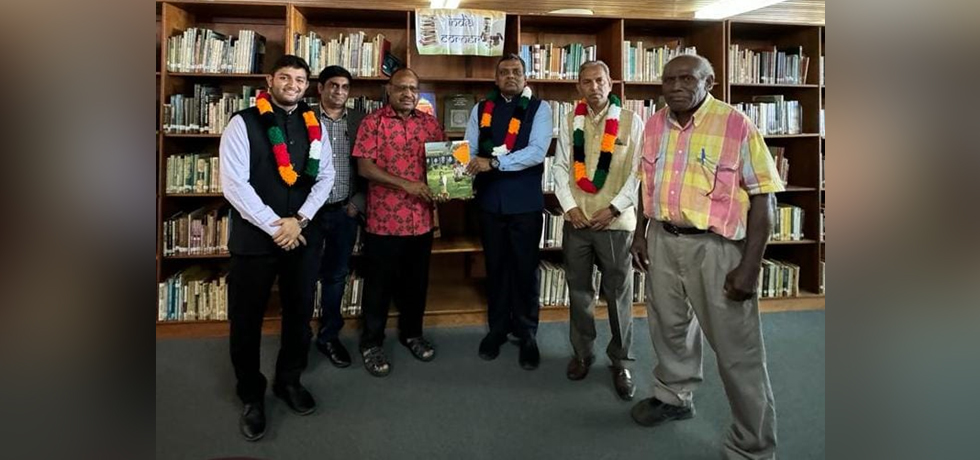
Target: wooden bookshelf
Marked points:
456	293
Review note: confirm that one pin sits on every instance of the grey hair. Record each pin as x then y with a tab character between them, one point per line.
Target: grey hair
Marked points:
704	68
595	63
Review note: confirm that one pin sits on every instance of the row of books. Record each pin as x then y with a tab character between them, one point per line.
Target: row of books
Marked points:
788	225
645	108
207	111
352	51
203	231
779	279
550	62
773	114
350	303
193	173
647	64
823	223
553	284
548	179
552	234
207	51
193	294
769	66
782	163
559	115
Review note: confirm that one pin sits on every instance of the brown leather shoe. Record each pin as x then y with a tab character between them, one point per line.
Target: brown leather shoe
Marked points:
579	368
623	382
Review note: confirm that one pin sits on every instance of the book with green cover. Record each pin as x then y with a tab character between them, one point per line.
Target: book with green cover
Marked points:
445	165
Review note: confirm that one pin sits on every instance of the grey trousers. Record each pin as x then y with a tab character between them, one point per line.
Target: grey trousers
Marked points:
685	297
610	251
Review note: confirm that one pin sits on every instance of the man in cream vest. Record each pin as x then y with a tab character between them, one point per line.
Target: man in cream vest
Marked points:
596	182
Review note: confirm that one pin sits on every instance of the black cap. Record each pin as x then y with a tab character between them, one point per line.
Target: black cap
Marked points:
331	71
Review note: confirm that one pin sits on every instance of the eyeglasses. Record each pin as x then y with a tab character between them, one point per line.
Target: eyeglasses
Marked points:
403	88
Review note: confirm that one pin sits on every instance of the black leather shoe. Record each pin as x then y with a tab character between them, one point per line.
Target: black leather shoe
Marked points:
490	347
296	397
623	382
653	412
252	421
529	356
421	349
335	351
579	368
376	362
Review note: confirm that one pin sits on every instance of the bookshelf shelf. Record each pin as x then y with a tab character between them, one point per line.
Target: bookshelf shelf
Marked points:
216	75
194	195
192	136
796	189
456	295
791	136
773	85
198	256
791	242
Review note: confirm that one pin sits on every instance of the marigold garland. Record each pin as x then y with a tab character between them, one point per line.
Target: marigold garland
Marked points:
278	140
486	136
605	148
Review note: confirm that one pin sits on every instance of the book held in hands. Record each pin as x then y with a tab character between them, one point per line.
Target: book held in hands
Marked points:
445	164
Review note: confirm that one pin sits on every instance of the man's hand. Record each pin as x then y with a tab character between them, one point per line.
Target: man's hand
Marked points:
741	283
577	218
602	218
418	190
641	260
351	210
478	165
295	243
288	231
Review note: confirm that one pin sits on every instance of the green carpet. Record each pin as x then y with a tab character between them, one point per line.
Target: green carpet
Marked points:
461	407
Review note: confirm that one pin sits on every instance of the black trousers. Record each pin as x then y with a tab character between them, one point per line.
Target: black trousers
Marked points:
397	268
250	279
510	246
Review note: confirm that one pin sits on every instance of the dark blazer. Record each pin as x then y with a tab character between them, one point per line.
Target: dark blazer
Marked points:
358	184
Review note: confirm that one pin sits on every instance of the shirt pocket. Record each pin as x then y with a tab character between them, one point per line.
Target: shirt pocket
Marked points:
721	173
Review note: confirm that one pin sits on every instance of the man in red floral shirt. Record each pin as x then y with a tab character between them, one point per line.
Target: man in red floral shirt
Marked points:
390	150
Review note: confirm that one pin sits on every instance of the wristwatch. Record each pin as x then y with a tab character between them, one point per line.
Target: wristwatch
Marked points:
494	163
302	221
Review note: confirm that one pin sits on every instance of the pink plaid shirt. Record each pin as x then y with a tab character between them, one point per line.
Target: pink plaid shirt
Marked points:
701	175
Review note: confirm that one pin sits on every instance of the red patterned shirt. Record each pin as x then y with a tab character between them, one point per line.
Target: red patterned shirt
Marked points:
397	147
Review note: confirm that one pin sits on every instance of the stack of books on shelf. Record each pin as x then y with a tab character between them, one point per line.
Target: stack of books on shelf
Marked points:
644	109
559	115
788	225
779	279
206	112
193	173
553	287
647	64
350	304
551	231
203	231
193	294
548	179
352	51
206	51
773	115
782	163
550	62
770	66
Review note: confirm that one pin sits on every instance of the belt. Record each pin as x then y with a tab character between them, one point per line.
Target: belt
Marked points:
677	231
334	206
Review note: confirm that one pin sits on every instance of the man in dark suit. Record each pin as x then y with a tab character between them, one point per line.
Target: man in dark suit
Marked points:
339	215
509	166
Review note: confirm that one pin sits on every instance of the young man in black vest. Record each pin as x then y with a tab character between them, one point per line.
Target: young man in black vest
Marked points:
339	215
509	166
276	173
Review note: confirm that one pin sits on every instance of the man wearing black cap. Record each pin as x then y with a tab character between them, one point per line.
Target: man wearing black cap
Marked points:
339	216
